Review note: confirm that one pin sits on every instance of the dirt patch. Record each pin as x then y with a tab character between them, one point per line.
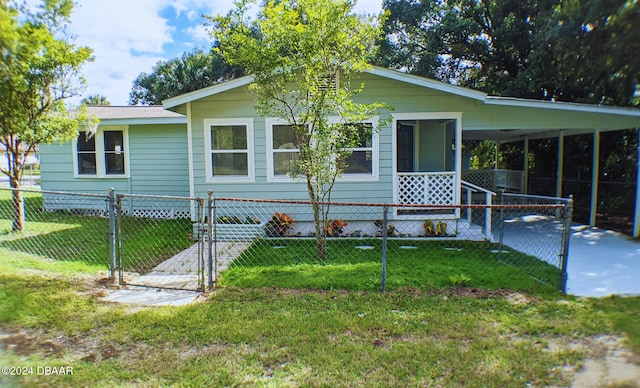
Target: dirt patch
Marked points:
610	363
482	293
23	343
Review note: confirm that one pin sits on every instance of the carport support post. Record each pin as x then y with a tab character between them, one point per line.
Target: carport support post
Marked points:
112	235
560	164
525	178
636	220
595	175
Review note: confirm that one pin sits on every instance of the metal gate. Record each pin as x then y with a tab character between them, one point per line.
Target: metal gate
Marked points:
539	226
160	242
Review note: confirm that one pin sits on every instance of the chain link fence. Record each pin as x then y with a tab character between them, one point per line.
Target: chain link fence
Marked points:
193	243
158	245
141	240
260	243
538	226
70	228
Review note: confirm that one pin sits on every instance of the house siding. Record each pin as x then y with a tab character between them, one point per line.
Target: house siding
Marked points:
239	103
157	160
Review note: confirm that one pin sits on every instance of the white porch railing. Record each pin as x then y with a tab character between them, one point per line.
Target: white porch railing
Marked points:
439	188
470	188
494	180
427	188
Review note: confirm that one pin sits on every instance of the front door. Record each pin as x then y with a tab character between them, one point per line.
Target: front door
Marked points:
405	147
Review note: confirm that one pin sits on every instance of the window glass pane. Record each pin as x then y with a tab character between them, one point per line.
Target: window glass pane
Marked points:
114	163
230	164
113	141
284	162
284	137
229	137
365	136
86	142
87	164
359	163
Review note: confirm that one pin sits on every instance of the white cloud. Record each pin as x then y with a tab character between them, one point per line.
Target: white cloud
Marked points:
128	37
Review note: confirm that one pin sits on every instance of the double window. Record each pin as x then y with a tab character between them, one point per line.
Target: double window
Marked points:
283	151
230	150
102	154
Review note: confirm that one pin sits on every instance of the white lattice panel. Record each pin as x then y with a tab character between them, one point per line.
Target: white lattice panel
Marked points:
411	189
160	213
426	189
440	189
482	178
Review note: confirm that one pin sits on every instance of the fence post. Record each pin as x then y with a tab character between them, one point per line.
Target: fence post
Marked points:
118	208
112	235
501	242
487	217
200	223
565	245
385	210
212	265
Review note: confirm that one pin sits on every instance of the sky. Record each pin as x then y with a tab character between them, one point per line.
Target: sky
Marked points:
129	37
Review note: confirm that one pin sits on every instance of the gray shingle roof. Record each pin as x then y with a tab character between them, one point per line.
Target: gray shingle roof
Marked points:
131	112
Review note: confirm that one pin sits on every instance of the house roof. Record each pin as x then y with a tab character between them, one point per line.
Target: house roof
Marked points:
496	118
123	115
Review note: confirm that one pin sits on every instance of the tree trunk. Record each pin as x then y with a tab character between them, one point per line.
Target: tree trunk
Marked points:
18	206
321	239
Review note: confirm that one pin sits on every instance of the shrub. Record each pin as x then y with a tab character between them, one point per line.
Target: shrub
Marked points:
335	228
279	226
428	228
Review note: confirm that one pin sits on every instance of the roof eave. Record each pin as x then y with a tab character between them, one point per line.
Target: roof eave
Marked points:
174	102
426	82
565	106
144	121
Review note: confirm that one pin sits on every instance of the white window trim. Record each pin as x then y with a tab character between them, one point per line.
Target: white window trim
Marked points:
375	154
100	154
248	123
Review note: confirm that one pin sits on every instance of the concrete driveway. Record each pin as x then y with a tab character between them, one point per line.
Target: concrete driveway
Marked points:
602	262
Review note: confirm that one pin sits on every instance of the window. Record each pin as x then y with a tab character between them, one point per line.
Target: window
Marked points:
102	154
286	150
114	152
283	150
86	150
361	159
230	145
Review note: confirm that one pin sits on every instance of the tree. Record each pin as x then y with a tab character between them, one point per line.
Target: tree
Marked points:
481	44
39	70
194	70
566	50
587	51
95	100
302	56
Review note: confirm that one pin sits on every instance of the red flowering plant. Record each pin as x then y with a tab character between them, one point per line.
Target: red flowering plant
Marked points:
279	225
335	228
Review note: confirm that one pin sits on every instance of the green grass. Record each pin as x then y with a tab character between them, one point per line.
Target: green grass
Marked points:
424	332
82	240
282	337
292	263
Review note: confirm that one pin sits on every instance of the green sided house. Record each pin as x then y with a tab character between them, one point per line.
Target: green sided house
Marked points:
212	139
136	149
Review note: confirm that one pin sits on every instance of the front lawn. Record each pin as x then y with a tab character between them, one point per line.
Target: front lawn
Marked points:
83	240
276	337
355	264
